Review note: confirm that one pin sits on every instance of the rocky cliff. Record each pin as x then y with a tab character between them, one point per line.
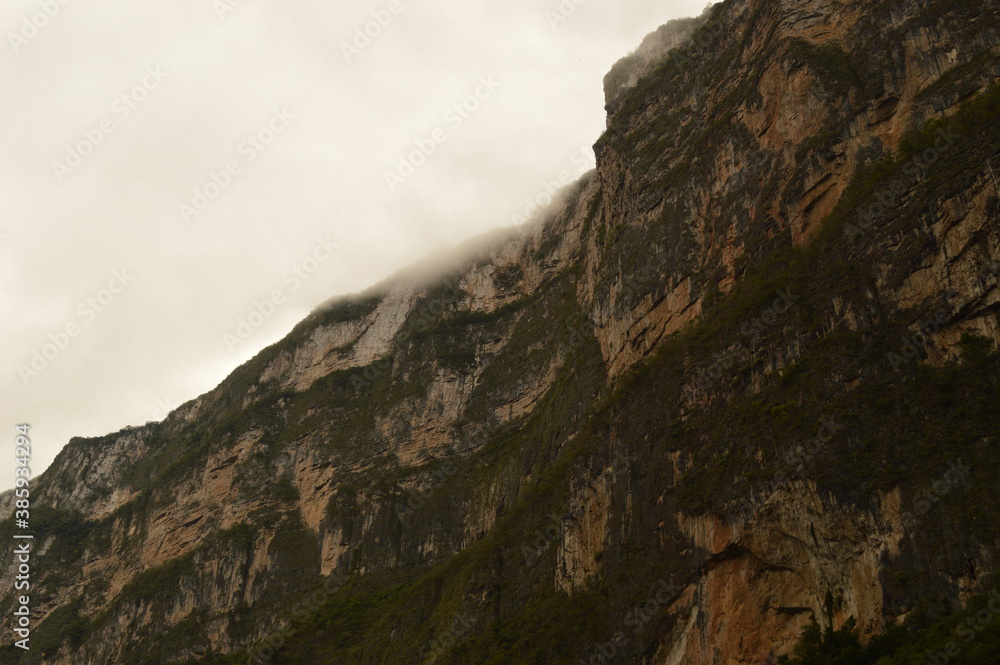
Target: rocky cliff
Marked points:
741	376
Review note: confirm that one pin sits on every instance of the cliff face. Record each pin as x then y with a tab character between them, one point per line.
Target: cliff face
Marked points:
741	366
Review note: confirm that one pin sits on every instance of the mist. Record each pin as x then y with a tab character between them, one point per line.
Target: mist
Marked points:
174	176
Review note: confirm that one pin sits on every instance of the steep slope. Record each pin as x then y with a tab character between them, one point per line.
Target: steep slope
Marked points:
744	365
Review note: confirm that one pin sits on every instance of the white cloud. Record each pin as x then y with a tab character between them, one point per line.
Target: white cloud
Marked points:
161	341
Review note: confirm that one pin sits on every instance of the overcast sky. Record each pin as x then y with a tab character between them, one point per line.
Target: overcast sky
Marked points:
165	165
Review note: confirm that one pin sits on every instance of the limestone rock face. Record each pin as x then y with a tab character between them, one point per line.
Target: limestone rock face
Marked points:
712	384
764	574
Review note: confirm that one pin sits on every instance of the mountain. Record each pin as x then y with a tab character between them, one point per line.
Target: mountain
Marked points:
739	379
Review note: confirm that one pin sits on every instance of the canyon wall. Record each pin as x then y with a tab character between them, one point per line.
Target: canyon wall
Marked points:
742	366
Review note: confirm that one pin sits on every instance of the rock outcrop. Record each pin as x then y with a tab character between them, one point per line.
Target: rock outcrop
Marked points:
731	373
